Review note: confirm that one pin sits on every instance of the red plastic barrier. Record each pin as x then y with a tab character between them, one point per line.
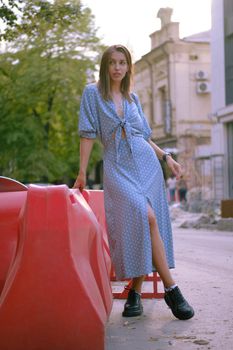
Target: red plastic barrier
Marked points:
95	199
10	185
152	278
10	206
57	294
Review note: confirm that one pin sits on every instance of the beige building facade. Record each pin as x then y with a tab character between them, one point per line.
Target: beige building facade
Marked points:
173	82
222	99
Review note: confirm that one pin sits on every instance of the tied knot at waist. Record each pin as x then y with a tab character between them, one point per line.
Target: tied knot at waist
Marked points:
123	124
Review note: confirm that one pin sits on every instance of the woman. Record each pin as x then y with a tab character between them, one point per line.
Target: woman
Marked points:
136	207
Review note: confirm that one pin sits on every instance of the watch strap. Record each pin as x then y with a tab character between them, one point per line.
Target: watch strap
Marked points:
165	155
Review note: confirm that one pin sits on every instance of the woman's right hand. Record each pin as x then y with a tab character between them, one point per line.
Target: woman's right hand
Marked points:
80	182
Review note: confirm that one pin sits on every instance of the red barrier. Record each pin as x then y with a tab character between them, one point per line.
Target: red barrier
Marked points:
10	206
57	293
152	278
95	199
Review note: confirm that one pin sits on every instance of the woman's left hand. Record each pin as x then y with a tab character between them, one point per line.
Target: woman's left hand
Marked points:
175	167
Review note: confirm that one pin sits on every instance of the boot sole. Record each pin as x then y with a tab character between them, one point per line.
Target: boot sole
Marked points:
132	313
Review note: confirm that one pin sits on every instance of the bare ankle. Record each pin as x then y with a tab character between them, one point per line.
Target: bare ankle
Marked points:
137	283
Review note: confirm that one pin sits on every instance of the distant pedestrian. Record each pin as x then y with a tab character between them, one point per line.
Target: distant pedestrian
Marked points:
171	184
182	189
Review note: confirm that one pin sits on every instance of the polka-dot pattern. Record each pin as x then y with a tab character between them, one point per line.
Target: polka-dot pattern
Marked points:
133	179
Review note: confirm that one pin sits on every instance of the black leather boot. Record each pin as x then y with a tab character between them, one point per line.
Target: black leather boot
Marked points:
133	305
178	305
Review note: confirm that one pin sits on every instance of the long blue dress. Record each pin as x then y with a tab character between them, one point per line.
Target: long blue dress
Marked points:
132	179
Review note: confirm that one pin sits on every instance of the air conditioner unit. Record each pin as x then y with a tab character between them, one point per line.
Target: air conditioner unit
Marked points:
201	75
203	87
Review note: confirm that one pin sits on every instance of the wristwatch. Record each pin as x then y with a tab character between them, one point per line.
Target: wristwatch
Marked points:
165	155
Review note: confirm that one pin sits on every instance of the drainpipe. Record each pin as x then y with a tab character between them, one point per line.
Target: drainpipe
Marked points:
152	109
168	104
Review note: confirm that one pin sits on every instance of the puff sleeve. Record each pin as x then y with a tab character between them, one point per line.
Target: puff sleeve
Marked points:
147	132
87	126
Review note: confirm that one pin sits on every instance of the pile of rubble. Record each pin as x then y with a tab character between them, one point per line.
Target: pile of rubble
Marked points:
199	212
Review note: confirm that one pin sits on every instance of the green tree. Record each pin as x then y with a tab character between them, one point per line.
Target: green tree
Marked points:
54	53
7	12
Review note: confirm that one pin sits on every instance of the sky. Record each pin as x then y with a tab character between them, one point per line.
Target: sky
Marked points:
130	22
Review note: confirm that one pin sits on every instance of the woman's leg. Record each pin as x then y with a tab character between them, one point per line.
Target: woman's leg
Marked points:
173	296
133	305
158	255
137	283
158	251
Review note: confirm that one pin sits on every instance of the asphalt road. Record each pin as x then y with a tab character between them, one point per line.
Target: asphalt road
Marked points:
204	273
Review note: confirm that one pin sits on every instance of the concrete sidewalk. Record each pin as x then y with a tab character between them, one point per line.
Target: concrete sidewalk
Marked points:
204	266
